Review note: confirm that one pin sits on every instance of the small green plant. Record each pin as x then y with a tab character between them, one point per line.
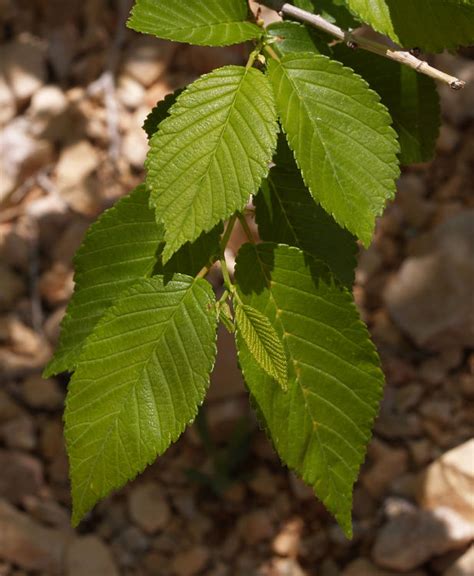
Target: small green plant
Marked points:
313	130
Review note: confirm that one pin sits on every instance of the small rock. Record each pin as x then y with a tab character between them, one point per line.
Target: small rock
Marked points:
430	297
364	567
56	284
255	527
130	92
75	177
20	433
24	67
9	409
439	410
46	112
190	562
135	147
42	394
11	289
287	542
264	483
329	568
148	59
449	481
464	565
21	155
413	537
21	476
52	439
285	567
389	464
48	512
29	545
421	451
7	102
148	507
89	555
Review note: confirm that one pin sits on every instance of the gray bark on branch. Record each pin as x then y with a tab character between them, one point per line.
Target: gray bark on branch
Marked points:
392	53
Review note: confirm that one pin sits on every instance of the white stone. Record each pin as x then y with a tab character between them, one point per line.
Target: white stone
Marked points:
414	537
449	481
464	566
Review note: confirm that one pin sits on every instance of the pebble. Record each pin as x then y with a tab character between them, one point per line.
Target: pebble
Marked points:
90	556
7	102
24	67
42	394
449	481
31	546
148	508
430	297
255	527
190	562
411	538
21	155
287	541
12	288
464	565
75	177
19	433
389	464
364	567
21	476
147	59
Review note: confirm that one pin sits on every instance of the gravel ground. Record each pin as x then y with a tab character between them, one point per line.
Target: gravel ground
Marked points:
74	90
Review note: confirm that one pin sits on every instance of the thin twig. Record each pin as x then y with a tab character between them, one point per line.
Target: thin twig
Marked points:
398	55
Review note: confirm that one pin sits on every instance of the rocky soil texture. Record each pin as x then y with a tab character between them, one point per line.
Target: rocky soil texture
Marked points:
74	90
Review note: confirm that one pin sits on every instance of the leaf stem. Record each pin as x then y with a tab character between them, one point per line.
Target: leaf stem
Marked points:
246	227
269	50
392	53
227	233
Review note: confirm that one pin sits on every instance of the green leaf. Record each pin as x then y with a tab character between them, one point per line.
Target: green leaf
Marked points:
209	23
263	342
159	113
335	11
341	137
141	377
286	213
294	37
191	257
411	99
118	248
211	153
432	25
225	316
320	427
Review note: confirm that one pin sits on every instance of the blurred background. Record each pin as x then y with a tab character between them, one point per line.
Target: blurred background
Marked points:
75	87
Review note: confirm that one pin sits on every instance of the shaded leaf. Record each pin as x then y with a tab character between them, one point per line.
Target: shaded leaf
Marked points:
320	427
286	213
159	113
432	25
341	137
411	99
